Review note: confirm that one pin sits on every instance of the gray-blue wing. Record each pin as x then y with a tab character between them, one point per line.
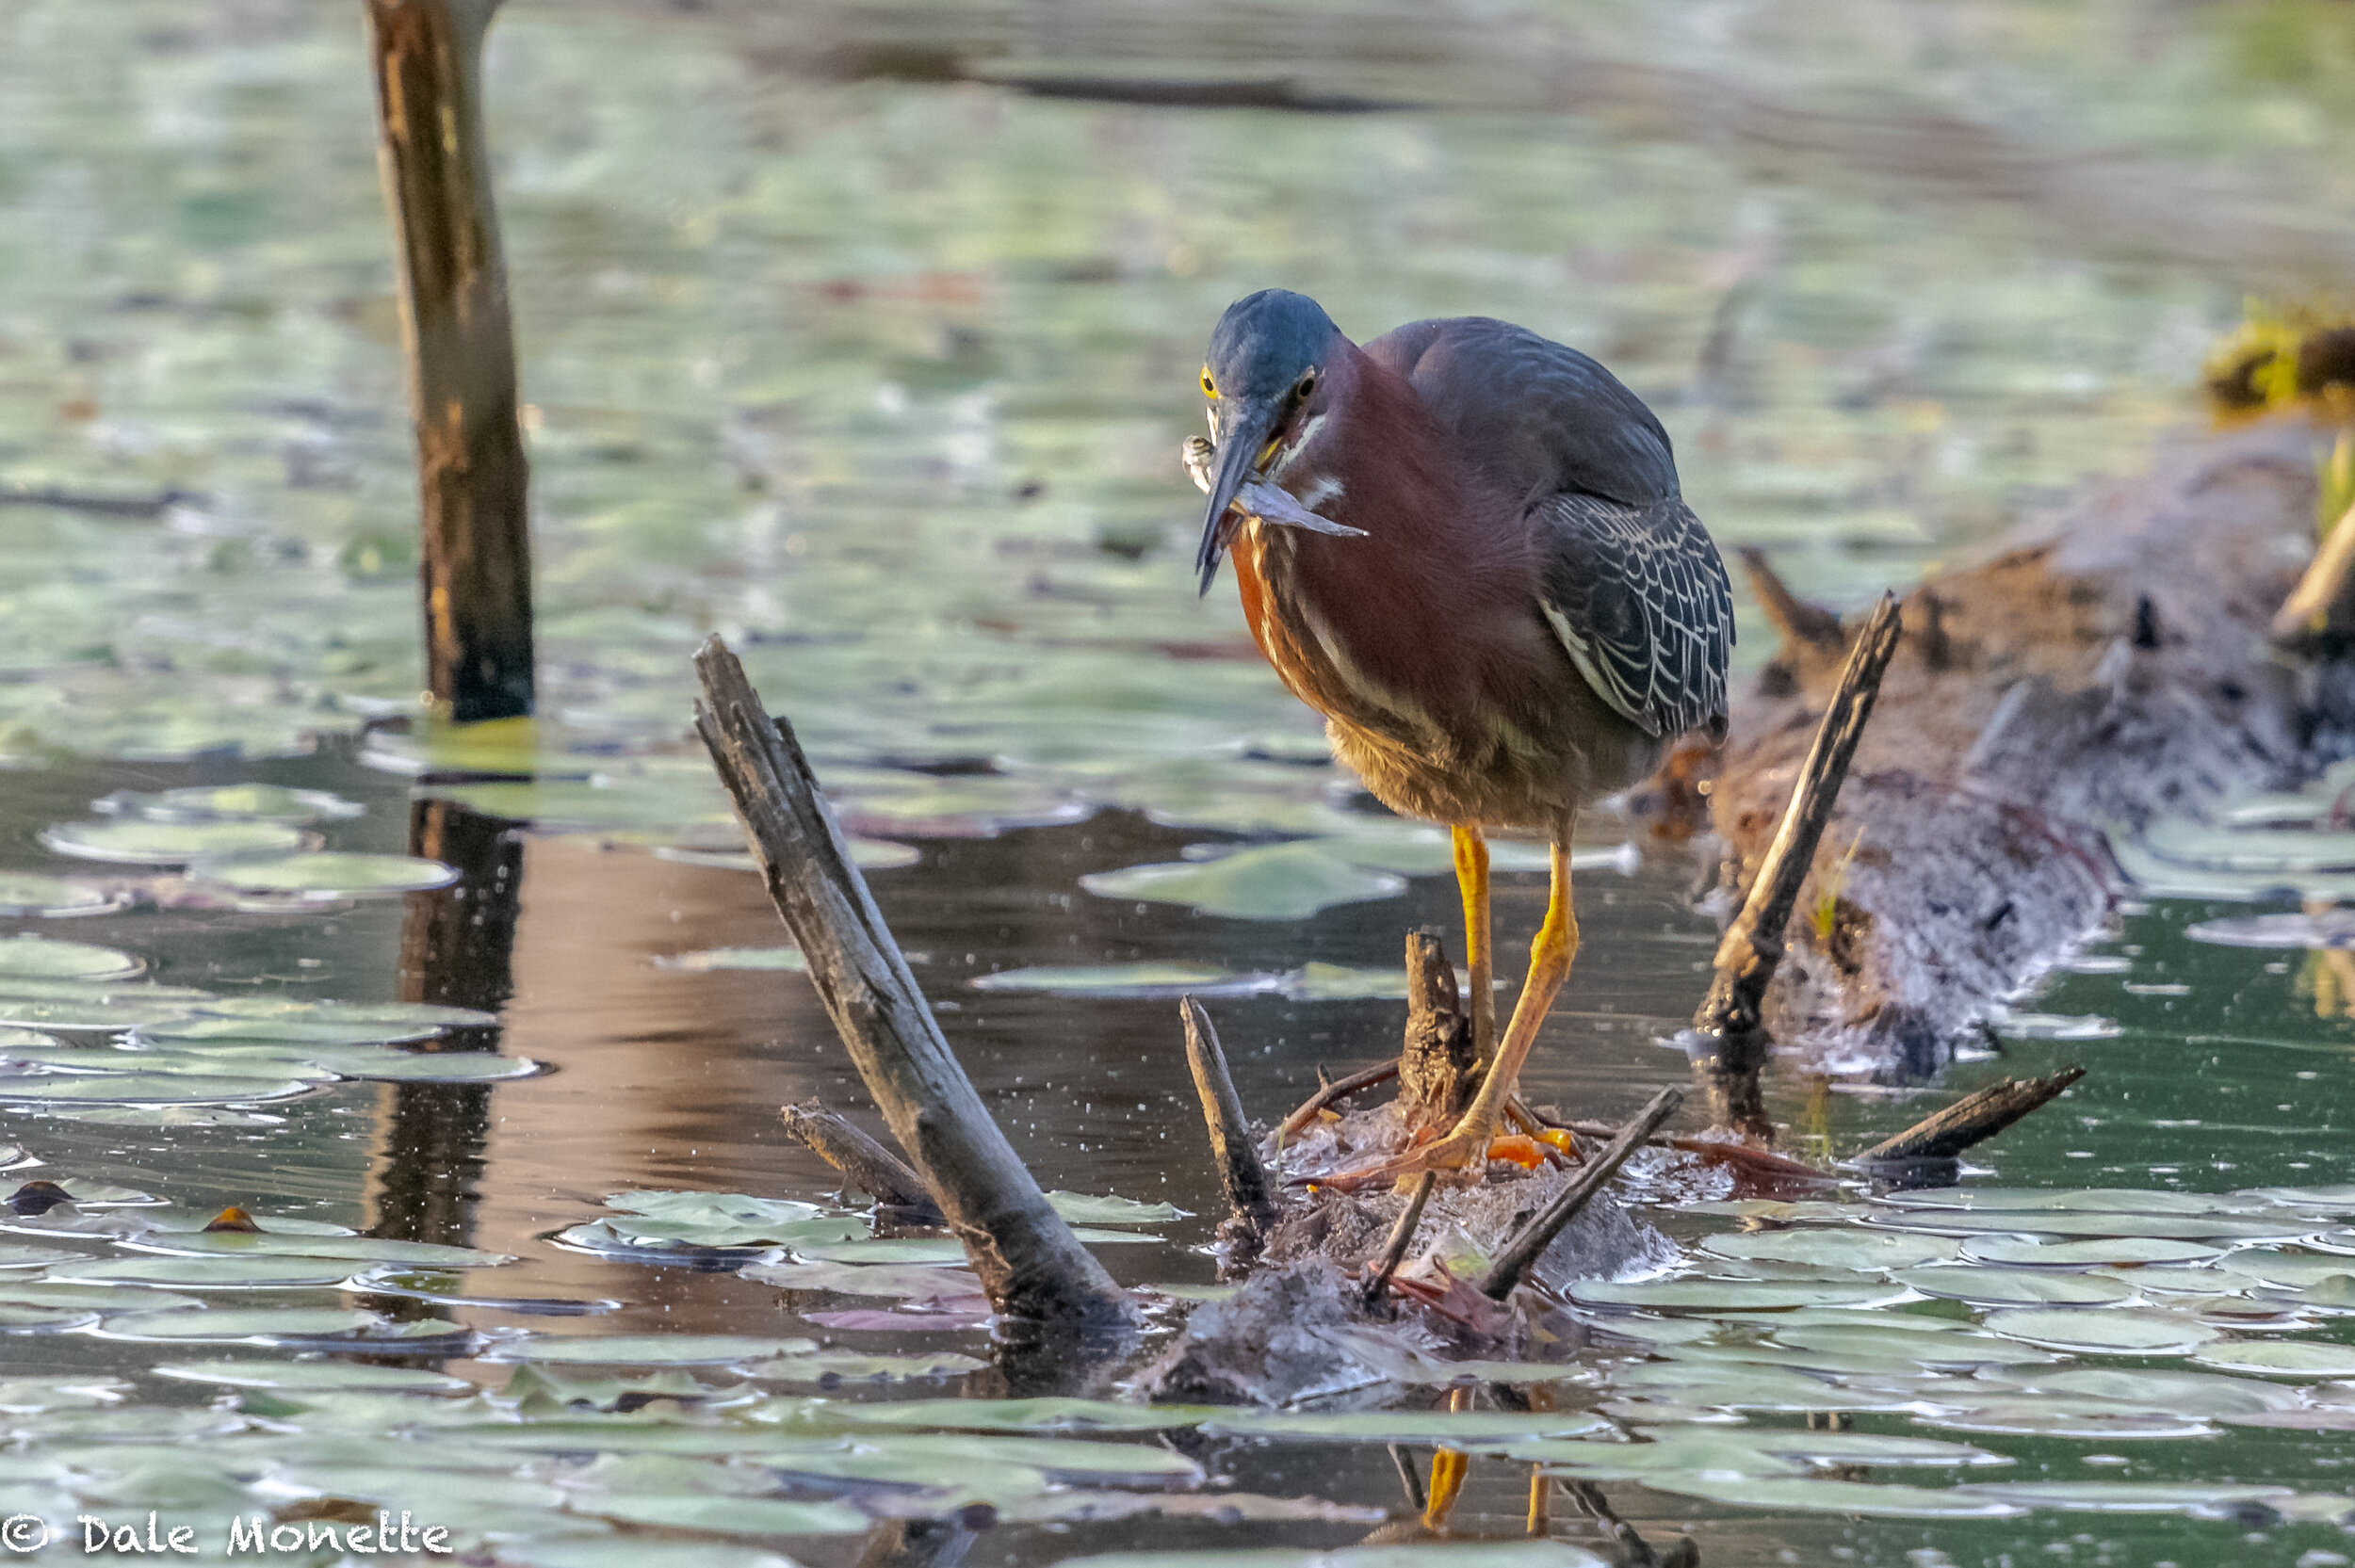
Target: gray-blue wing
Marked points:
1638	596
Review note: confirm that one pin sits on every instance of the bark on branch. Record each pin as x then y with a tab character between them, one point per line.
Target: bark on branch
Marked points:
863	1162
475	566
1974	1119
1231	1143
1029	1261
1727	1041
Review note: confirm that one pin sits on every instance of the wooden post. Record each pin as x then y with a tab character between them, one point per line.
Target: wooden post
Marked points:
1727	1043
476	571
1029	1261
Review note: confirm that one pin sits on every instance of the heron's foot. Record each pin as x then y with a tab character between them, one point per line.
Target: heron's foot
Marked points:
1462	1153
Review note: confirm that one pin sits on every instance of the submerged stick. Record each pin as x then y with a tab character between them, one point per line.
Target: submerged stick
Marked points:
1727	1042
1231	1143
1974	1119
1339	1088
1401	1234
471	470
1029	1261
863	1162
1524	1248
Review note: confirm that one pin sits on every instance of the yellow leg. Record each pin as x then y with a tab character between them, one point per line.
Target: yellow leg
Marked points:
1447	1469
1465	1145
1541	1516
1471	875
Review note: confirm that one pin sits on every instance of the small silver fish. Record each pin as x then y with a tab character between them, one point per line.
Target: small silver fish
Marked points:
1258	498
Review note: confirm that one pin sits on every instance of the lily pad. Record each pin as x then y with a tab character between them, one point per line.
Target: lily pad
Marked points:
1283	881
143	1089
30	894
645	1349
2282	1358
139	842
2017	1286
728	1515
1467	1430
245	802
213	1274
832	1366
918	1250
18	1317
2115	1332
331	874
1710	1297
2124	1251
2173	1497
1147	982
919	1282
1801	1494
255	1325
1826	1248
367	1248
307	1376
1087	1208
1038	1415
44	958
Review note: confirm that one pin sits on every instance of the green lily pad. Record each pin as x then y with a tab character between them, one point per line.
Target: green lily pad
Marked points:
2292	1271
916	1249
34	1396
1467	1430
139	842
2124	1251
390	1064
1283	881
1040	1414
318	1028
216	1274
1862	1499
1088	1208
331	874
644	1349
30	894
2171	1393
43	957
919	1282
412	1020
2173	1497
2115	1332
1710	1297
831	1367
726	1515
144	1089
256	1325
365	1249
2017	1286
2281	1358
305	1376
1147	982
17	1318
245	802
1823	1248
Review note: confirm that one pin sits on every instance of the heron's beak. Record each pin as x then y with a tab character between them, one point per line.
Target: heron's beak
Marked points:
1247	435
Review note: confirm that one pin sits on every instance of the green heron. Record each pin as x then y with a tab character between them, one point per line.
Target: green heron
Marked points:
1464	544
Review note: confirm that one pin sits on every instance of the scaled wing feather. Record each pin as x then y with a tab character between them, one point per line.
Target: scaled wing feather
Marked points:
1639	599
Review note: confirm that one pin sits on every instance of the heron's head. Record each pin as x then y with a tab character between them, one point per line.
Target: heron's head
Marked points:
1266	378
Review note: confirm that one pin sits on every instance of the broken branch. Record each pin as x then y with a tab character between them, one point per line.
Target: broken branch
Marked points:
2323	585
1029	1261
1231	1143
1974	1119
1401	1234
1531	1241
1339	1088
863	1162
1727	1042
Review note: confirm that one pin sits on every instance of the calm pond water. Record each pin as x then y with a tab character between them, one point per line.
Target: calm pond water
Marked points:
884	377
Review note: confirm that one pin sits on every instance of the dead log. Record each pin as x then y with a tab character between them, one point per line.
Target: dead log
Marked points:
1029	1263
2105	665
1526	1246
476	568
863	1162
1232	1147
1974	1119
1727	1042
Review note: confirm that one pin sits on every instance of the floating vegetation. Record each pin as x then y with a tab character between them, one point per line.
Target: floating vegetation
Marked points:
1312	982
141	842
329	874
1284	881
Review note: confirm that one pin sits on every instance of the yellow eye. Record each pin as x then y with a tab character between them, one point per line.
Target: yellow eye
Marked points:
1210	387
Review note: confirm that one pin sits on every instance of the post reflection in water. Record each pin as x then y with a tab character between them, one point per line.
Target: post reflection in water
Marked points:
456	949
